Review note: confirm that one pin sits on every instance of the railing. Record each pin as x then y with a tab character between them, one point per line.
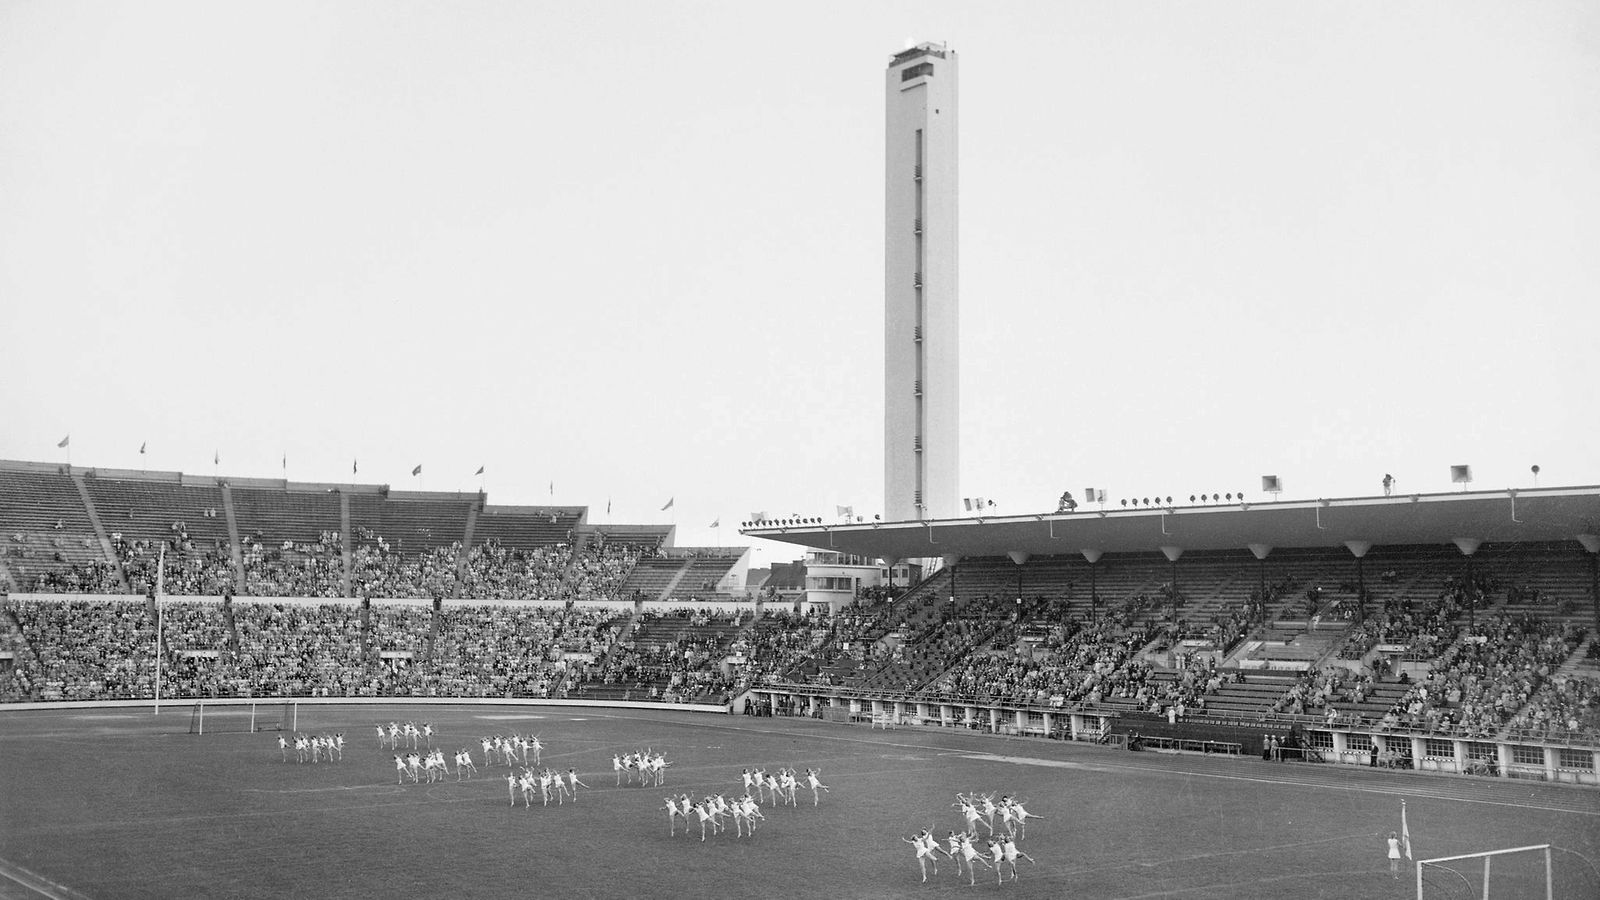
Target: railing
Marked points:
1263	719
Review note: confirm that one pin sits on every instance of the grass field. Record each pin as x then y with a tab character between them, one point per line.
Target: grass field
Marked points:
119	803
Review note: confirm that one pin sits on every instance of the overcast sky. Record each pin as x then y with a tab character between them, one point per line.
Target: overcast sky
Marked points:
635	248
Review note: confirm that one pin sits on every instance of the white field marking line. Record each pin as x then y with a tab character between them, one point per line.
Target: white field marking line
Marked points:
37	883
1268	879
392	788
1388	791
510	718
1065	874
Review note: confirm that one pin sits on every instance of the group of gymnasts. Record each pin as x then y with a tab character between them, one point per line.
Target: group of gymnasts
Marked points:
649	766
395	734
782	784
547	783
1000	852
313	748
713	812
430	766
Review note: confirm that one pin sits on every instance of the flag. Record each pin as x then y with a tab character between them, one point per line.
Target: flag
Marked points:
479	472
216	457
846	511
552	488
758	516
286	462
417	470
717	523
64	441
669	504
1405	830
354	467
141	447
608	506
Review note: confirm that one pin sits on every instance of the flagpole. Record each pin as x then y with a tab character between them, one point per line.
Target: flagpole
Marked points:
161	574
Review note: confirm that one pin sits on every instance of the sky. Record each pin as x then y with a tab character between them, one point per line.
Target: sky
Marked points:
631	252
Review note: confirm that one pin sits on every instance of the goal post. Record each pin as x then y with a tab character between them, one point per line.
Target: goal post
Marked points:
1513	872
221	717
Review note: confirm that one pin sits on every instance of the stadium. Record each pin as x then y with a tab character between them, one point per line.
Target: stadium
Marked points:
231	685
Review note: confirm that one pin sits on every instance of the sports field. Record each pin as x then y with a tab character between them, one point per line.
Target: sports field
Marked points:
117	803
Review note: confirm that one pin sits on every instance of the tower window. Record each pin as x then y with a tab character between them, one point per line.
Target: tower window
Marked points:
916	71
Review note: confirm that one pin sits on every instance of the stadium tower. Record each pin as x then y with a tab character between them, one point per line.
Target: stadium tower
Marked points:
921	337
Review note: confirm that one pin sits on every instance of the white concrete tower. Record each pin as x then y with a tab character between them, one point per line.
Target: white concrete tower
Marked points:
921	427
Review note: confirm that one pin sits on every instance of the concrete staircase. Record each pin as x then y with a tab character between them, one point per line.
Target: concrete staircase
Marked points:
666	592
100	533
345	540
235	552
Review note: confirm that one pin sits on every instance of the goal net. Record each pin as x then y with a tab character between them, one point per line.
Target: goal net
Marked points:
1520	872
215	717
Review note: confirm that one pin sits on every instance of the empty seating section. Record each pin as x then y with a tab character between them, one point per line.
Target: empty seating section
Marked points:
274	516
46	530
408	526
157	511
702	576
525	527
651	577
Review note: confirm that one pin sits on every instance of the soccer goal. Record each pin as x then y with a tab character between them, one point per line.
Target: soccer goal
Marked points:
1521	872
214	717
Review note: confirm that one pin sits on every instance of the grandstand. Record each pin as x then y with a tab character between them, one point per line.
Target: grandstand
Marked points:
1434	649
1415	654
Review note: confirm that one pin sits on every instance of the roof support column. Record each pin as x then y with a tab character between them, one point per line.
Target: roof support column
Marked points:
1021	559
1469	546
1261	551
1093	556
1172	554
1360	548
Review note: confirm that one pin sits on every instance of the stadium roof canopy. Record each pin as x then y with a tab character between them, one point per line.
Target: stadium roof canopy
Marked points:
1488	517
